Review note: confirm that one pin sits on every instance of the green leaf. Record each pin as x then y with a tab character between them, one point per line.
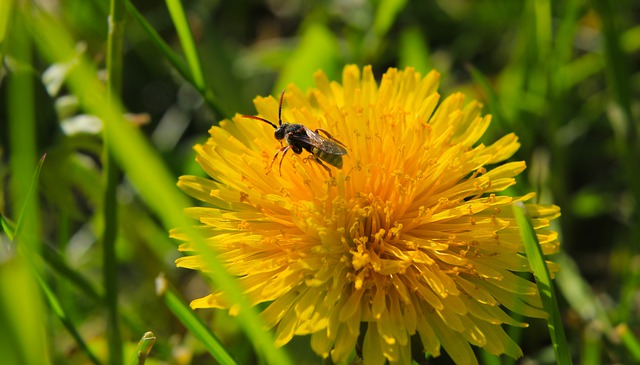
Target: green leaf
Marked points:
544	283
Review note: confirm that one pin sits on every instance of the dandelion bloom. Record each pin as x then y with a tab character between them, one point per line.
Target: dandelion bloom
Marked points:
407	245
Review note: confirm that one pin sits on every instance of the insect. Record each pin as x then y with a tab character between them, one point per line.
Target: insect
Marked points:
299	137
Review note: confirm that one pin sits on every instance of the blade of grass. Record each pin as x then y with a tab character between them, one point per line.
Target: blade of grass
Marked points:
176	62
630	341
164	48
144	347
58	263
591	346
6	9
492	98
137	158
22	133
195	326
578	293
618	76
110	179
190	52
8	227
32	188
72	276
22	334
57	309
563	45
186	40
414	50
386	14
543	29
22	304
544	283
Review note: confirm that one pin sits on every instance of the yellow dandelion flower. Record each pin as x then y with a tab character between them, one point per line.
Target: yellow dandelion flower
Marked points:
408	238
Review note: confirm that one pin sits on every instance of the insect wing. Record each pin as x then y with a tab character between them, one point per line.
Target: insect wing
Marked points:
323	144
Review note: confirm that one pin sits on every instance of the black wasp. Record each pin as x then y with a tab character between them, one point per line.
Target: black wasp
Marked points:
299	137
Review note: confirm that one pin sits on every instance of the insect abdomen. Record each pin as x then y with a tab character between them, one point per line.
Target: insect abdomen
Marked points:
331	159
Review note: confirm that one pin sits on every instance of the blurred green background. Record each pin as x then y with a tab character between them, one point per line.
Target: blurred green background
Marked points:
564	76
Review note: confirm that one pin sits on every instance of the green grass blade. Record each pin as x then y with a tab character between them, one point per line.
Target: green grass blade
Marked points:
22	333
144	347
110	180
22	309
414	50
186	39
57	309
543	28
591	346
8	227
578	293
140	162
195	326
157	40
86	288
498	115
563	46
32	188
618	75
176	62
544	283
6	9
58	263
22	143
630	341
386	14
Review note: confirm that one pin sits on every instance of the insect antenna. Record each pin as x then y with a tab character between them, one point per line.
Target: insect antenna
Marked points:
260	119
266	121
280	108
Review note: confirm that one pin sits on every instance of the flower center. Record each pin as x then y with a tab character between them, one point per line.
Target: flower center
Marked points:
374	235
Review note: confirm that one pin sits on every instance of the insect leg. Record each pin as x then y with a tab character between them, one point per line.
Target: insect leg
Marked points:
285	149
329	136
319	162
